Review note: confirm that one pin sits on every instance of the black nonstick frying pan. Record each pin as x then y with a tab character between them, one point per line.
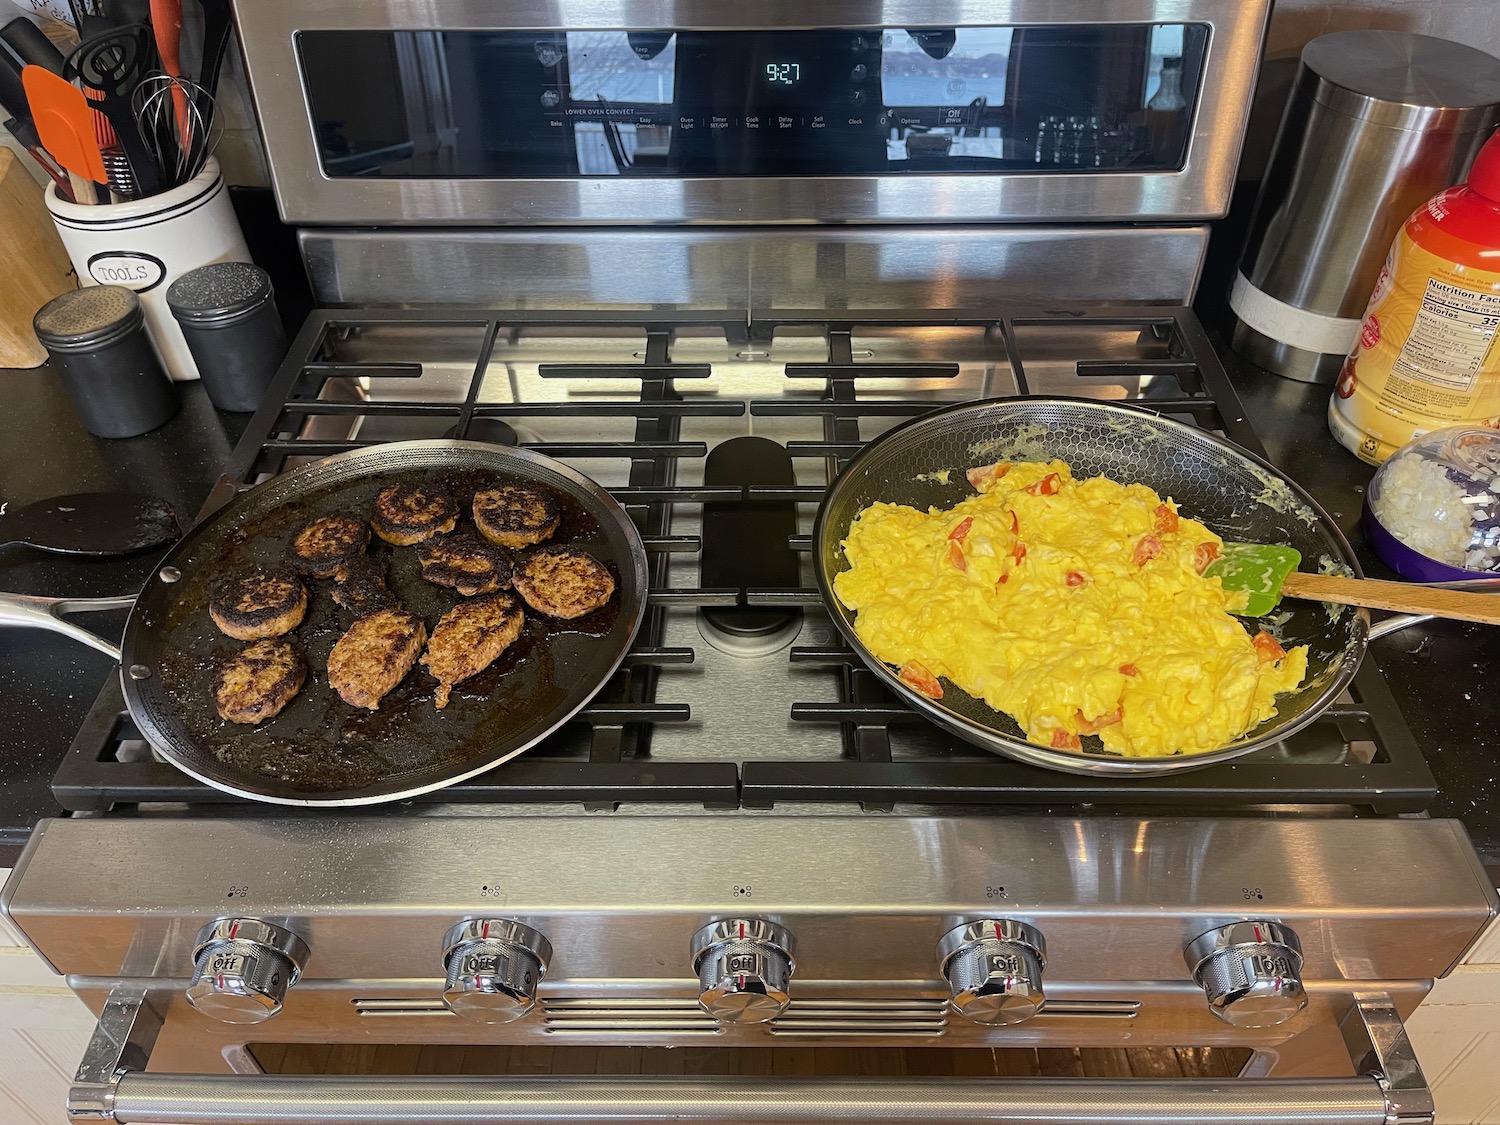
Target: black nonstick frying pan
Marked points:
319	750
1237	494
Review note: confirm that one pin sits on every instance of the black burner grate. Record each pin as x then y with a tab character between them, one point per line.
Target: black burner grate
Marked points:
606	757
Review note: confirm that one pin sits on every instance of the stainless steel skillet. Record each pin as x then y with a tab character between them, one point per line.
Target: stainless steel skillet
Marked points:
1237	494
320	751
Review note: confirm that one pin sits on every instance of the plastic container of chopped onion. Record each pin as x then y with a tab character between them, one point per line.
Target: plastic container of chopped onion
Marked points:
1433	510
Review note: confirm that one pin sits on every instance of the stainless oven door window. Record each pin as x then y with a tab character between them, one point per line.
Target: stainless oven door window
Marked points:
607	113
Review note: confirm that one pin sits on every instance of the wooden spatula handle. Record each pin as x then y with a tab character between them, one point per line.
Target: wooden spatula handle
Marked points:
1457	605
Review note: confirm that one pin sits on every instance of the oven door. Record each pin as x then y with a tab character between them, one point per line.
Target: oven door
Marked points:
113	1084
587	112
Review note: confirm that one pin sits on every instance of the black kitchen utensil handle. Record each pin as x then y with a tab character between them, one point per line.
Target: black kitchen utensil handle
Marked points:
12	91
31	46
122	119
218	25
110	66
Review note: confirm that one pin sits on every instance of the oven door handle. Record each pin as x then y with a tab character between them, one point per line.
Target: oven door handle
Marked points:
111	1086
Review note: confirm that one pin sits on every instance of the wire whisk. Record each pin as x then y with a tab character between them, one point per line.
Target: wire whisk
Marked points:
178	122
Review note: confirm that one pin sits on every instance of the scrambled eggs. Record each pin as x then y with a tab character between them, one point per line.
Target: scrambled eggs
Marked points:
1076	607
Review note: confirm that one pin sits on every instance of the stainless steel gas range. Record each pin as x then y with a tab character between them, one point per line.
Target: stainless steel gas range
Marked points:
743	843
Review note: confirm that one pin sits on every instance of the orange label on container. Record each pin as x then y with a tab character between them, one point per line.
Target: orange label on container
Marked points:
1427	356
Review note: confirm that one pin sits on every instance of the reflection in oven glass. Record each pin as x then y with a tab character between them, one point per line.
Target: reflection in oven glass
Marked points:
672	103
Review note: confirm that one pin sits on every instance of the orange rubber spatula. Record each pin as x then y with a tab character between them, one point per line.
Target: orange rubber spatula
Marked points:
65	125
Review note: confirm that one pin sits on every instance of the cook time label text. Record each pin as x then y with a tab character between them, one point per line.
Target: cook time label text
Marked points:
129	268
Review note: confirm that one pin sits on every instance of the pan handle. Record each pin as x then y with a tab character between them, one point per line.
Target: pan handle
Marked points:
24	611
1397	622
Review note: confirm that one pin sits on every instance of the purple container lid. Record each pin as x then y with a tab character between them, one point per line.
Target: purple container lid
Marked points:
1407	562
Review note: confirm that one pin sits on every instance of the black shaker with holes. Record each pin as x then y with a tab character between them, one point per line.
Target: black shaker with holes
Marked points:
96	338
227	312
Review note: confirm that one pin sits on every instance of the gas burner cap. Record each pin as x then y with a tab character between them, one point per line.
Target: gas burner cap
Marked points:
749	630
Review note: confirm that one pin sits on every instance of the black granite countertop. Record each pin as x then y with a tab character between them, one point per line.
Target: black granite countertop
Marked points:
47	682
1434	669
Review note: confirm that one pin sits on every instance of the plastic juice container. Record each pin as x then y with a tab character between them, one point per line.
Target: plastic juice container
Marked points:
1427	355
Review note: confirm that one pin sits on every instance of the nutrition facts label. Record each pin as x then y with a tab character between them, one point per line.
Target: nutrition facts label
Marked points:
1451	337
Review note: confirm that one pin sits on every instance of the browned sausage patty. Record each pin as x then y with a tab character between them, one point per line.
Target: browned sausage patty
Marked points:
465	563
254	604
259	680
563	582
374	655
409	513
516	515
469	638
328	542
359	585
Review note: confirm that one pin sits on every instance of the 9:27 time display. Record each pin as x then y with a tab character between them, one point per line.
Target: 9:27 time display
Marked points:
783	72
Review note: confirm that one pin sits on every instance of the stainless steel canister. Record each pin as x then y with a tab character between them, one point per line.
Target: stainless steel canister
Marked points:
1378	121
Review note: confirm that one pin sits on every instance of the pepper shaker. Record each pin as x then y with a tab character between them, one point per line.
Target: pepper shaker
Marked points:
96	338
227	312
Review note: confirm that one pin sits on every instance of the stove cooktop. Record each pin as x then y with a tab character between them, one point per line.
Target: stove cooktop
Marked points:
719	433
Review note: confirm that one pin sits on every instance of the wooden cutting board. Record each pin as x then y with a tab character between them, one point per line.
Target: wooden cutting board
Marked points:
33	263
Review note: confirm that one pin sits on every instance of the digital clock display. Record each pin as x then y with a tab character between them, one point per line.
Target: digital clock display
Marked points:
783	72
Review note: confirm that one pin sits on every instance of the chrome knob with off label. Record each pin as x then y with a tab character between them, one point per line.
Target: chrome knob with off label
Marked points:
1251	973
994	968
744	968
242	968
494	966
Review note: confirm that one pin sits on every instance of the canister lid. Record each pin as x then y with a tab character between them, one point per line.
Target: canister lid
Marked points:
1399	79
219	293
88	318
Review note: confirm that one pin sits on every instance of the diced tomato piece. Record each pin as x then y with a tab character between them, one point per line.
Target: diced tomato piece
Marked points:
1015	524
1094	726
1204	555
915	674
982	476
956	556
1047	486
1146	550
1129	670
1166	519
1267	648
1065	740
1018	552
958	533
1075	579
1001	581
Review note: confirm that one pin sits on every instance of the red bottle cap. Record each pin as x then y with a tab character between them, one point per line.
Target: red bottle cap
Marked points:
1484	176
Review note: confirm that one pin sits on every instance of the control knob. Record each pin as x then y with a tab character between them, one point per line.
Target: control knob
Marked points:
744	968
994	968
242	968
494	966
1251	973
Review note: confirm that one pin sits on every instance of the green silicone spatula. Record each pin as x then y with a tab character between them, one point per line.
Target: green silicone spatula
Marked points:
1266	573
